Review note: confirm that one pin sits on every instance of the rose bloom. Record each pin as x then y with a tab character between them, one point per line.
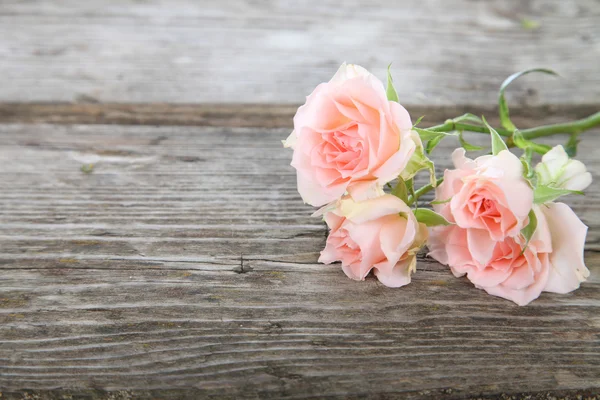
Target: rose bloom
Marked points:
380	234
551	262
349	137
488	195
560	171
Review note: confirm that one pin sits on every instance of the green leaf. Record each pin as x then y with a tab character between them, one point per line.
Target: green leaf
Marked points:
391	91
430	217
502	106
433	138
544	194
432	143
571	146
522	143
497	143
466	145
529	230
418	121
426	134
401	191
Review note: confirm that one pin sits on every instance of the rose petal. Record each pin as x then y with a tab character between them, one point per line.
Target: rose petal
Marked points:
481	246
361	212
399	274
290	141
523	296
396	237
568	269
460	161
348	71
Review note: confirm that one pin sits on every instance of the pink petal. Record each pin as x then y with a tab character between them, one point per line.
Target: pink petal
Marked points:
361	212
366	235
481	245
354	272
396	236
364	190
521	277
523	296
460	161
394	165
487	277
568	269
401	117
399	274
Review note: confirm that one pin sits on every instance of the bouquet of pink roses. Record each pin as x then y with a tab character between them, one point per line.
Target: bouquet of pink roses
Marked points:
494	218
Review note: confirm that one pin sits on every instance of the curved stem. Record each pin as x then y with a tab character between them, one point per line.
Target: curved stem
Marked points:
568	127
420	192
574	127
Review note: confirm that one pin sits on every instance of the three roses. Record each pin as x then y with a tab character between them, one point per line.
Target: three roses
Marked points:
491	223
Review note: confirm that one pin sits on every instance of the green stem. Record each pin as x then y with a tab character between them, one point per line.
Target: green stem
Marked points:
568	127
574	127
451	125
420	192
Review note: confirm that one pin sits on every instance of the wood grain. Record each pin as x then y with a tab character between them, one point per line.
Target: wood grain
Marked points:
275	52
250	115
184	264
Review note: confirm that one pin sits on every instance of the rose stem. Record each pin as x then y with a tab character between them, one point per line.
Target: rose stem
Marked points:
531	133
569	127
420	192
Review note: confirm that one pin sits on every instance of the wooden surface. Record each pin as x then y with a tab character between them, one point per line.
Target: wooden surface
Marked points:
185	264
243	51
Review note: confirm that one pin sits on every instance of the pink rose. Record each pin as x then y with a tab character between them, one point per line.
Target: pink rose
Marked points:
349	137
380	234
488	195
552	262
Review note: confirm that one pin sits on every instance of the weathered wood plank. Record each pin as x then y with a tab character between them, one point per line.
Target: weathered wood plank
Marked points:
288	329
187	259
443	53
246	115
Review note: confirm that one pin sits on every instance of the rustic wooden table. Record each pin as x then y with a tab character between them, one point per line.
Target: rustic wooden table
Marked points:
184	264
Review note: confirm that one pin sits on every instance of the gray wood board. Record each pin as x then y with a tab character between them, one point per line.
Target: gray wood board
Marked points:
186	259
242	51
252	115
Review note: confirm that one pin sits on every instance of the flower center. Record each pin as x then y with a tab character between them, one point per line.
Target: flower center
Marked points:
343	150
482	207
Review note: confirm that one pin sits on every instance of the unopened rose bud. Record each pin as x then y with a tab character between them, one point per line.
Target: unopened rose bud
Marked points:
559	171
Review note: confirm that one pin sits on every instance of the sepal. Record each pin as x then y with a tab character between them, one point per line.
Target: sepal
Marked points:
418	162
390	91
545	194
430	218
529	230
498	144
